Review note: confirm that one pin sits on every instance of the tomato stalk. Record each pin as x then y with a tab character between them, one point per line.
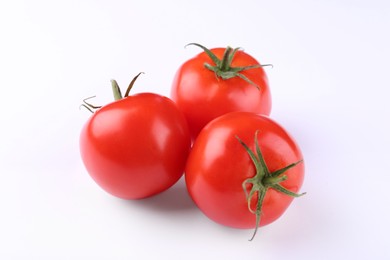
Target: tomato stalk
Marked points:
116	91
223	67
263	180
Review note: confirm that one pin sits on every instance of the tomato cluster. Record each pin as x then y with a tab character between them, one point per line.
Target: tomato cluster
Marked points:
242	169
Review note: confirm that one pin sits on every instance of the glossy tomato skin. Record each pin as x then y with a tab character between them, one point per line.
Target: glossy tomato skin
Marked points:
218	165
202	96
136	147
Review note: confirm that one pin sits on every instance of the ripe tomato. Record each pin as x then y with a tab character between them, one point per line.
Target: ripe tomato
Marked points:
244	170
219	81
137	146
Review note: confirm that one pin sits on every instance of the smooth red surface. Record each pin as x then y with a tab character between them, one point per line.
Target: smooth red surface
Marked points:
136	147
202	96
218	165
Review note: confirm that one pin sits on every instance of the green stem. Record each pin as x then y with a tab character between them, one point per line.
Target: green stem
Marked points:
226	60
116	90
260	197
263	180
273	180
131	84
223	67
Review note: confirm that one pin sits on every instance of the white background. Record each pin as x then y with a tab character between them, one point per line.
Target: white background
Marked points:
330	84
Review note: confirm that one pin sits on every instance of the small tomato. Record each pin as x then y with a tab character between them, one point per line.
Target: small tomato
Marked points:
219	81
244	170
136	146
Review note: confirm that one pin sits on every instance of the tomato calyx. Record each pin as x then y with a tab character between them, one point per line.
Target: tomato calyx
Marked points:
263	180
91	108
116	91
223	68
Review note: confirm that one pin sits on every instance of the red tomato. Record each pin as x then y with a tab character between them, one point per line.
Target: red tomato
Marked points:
244	170
137	146
219	81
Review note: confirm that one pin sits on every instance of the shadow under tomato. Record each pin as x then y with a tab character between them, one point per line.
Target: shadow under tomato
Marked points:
174	199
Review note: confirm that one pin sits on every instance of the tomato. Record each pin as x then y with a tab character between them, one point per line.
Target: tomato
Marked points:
244	170
136	146
219	81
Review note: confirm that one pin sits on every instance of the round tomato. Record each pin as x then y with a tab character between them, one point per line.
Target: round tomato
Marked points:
137	146
244	170
219	81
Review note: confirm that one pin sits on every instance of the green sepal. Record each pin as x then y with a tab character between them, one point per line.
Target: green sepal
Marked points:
116	91
263	180
223	67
